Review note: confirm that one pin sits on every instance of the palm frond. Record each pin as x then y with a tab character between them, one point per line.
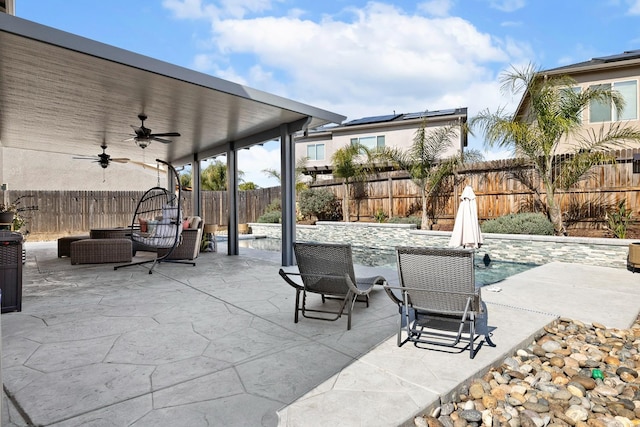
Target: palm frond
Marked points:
551	111
577	166
614	136
353	161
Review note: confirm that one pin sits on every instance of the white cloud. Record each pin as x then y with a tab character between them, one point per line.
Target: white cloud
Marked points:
634	7
507	5
436	7
511	24
497	154
383	59
237	9
369	61
253	161
190	9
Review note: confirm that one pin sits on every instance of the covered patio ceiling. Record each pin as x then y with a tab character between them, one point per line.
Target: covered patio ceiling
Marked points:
66	94
61	93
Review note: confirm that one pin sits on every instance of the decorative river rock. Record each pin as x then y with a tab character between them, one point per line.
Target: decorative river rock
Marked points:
575	374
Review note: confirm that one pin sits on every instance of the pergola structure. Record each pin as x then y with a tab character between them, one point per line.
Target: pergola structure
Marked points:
58	91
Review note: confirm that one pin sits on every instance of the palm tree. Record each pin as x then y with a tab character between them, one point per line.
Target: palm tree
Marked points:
247	185
352	162
301	165
425	163
554	113
214	176
185	180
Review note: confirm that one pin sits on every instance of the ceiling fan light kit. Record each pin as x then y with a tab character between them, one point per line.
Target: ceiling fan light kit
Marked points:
144	137
142	142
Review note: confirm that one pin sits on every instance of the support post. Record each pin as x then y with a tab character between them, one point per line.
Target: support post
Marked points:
288	189
196	193
232	194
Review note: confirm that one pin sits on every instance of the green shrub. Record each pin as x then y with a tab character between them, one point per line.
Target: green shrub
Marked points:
274	206
380	216
618	220
322	204
521	223
272	217
406	220
272	213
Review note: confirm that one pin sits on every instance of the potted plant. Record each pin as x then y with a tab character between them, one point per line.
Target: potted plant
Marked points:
11	213
7	213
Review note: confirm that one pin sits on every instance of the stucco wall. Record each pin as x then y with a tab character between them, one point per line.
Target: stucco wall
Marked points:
33	170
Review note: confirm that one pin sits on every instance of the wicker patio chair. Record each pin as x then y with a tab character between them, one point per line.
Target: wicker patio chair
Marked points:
157	222
327	269
189	246
439	303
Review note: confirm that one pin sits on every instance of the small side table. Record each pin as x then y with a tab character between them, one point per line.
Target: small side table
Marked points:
633	259
209	243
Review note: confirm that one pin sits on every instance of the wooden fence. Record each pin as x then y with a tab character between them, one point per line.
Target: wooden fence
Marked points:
72	212
62	213
497	192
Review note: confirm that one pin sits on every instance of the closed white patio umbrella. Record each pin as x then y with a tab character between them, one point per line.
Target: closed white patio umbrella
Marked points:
466	230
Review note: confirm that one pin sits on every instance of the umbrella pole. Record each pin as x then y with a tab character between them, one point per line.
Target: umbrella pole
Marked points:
455	205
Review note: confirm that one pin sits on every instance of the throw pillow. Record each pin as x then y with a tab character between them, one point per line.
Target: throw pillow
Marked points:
195	222
143	225
185	224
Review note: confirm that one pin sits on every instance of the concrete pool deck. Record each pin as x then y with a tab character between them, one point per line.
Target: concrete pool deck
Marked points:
216	344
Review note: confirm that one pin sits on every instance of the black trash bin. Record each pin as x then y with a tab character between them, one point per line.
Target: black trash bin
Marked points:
11	270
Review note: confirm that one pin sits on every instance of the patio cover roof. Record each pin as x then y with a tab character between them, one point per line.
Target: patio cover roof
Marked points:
66	94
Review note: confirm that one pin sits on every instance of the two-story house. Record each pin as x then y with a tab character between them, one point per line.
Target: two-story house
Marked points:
619	72
394	130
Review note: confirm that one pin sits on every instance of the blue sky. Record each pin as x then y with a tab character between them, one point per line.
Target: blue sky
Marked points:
356	58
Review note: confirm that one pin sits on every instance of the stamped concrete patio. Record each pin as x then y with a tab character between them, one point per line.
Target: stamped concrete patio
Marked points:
216	344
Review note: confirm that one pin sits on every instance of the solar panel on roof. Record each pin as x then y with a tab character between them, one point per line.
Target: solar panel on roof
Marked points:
410	116
375	119
630	54
435	113
441	112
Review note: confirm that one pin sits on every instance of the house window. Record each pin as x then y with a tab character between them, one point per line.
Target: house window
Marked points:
605	111
315	151
576	91
628	91
371	142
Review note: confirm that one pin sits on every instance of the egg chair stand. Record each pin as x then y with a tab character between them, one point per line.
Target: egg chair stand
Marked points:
157	222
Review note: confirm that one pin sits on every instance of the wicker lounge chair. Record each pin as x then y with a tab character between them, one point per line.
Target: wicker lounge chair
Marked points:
439	302
189	246
327	269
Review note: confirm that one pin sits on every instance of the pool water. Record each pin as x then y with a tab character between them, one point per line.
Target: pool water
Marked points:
495	272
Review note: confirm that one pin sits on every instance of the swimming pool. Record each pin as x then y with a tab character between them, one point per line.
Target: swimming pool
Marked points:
495	272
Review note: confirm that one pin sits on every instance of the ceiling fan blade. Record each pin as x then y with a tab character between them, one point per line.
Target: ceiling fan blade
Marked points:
145	165
164	134
138	130
164	141
120	160
85	158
